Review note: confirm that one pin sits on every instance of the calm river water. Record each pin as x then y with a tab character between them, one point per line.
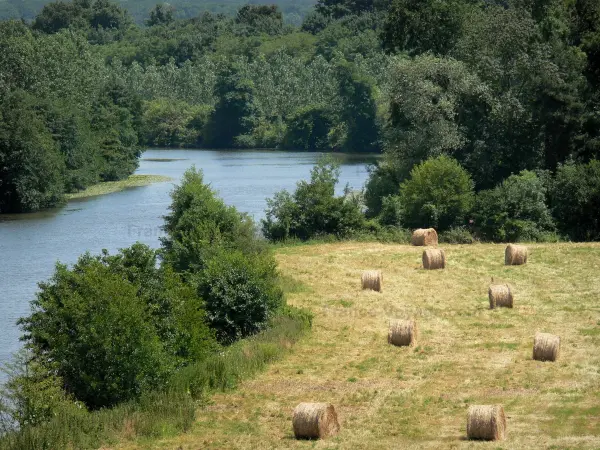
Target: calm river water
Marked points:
31	244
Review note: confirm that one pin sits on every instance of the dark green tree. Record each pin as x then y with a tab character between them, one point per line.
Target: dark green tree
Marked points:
161	14
235	111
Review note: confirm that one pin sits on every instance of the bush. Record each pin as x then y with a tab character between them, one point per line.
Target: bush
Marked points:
514	211
313	210
575	200
241	294
115	327
439	194
200	225
457	235
382	183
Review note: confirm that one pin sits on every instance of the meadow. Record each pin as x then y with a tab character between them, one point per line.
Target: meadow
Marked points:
400	397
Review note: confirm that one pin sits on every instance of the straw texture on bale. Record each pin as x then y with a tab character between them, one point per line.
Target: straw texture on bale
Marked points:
402	333
424	237
315	421
372	279
434	258
515	255
500	295
486	422
546	347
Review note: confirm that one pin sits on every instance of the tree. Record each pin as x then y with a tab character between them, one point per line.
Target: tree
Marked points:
161	14
439	194
260	18
31	167
313	210
419	26
235	111
359	110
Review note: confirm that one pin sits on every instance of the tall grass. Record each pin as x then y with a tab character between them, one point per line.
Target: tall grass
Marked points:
173	411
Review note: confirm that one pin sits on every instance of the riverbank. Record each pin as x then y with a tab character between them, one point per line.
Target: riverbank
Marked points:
110	187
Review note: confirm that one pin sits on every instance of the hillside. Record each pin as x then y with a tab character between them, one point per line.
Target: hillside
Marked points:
294	10
390	397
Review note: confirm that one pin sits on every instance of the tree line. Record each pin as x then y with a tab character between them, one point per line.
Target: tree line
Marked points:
504	88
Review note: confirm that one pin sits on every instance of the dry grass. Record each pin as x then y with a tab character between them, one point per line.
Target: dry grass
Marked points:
401	397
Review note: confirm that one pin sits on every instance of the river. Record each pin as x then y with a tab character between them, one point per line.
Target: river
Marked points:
31	244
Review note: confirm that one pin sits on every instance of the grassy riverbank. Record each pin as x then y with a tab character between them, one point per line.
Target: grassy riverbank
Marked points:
110	187
390	397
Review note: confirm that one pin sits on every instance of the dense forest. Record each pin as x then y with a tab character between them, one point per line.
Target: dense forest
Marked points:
294	11
504	91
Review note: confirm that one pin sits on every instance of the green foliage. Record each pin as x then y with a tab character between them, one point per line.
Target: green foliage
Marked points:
308	129
31	167
439	194
200	225
168	123
261	18
161	14
575	200
114	327
241	294
457	235
313	209
383	182
359	110
233	115
514	211
420	26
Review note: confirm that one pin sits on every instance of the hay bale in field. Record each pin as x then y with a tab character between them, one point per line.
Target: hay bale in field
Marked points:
372	279
486	422
546	347
424	237
500	296
315	421
434	258
402	333
515	255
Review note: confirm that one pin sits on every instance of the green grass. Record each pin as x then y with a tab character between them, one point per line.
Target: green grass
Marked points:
110	187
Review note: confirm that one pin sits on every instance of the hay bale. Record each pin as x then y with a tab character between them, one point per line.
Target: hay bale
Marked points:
500	296
546	347
372	279
424	237
486	422
315	421
434	258
402	333
515	255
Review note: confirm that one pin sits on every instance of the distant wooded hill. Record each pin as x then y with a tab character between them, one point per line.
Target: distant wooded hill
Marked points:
294	10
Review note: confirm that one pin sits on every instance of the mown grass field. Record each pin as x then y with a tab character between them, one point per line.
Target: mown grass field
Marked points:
389	397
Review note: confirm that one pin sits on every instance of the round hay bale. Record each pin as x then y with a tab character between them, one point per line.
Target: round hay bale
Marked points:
402	333
372	279
315	421
434	258
424	237
500	296
515	255
486	422
546	347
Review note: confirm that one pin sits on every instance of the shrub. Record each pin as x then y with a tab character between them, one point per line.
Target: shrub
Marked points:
457	235
241	294
439	194
200	225
514	211
313	209
114	327
575	200
391	211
